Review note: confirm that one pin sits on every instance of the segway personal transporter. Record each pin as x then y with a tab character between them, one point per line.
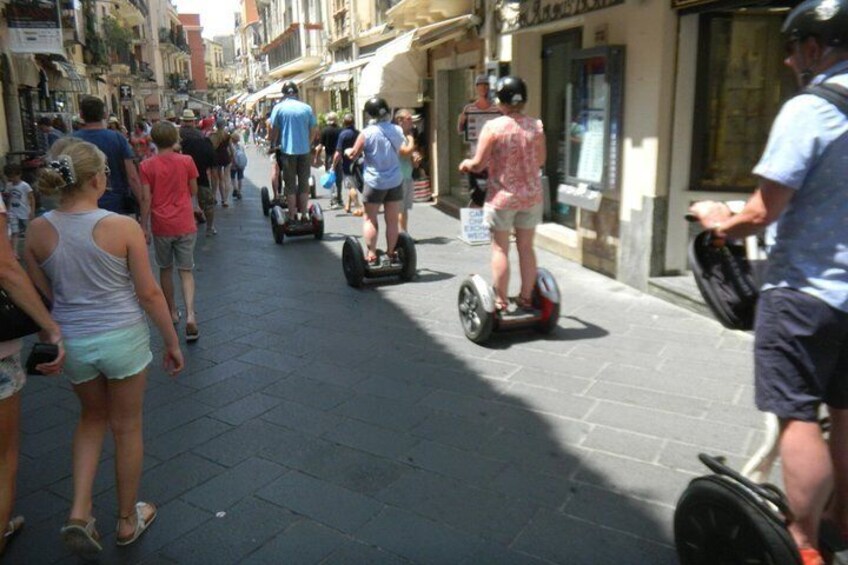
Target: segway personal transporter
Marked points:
268	203
357	269
480	317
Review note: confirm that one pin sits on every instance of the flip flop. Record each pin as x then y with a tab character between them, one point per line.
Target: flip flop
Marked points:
14	526
141	524
81	538
192	332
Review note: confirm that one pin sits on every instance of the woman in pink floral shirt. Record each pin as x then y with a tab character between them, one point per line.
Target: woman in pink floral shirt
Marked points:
513	149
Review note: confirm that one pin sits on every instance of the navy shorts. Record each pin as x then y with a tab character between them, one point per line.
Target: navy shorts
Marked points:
800	355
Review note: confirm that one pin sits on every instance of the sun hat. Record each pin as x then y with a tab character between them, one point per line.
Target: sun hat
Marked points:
188	115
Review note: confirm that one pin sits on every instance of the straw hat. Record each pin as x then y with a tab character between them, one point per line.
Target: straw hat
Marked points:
188	115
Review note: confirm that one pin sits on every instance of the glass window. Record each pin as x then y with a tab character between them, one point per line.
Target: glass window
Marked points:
742	82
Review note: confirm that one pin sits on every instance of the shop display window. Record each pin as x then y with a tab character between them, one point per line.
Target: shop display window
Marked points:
590	155
742	82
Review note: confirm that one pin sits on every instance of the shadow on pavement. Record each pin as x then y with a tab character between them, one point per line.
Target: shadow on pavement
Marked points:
320	424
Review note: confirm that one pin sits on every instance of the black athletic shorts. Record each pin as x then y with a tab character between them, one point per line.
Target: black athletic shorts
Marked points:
800	355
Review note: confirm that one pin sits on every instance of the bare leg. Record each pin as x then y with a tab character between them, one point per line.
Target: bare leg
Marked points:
166	281
391	213
126	400
371	228
839	455
10	415
214	180
500	264
187	280
88	443
807	476
403	221
526	260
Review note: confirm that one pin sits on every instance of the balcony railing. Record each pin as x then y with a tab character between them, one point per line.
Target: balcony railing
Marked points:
175	38
288	47
178	82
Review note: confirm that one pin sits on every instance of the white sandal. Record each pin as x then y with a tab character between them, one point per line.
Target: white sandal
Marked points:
141	524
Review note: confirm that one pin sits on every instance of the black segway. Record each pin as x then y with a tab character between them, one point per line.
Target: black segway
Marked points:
357	269
480	318
268	202
282	226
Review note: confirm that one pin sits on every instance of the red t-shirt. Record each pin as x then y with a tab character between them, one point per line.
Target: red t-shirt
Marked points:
171	209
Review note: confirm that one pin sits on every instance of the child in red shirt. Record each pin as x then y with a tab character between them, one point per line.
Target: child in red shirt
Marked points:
169	186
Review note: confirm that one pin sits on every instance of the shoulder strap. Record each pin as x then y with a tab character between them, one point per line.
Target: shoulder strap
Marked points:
834	93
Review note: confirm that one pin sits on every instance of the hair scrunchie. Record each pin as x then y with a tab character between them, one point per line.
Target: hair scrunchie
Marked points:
65	167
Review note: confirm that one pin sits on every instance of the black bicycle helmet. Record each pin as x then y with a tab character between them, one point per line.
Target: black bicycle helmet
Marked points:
289	88
511	91
825	19
377	108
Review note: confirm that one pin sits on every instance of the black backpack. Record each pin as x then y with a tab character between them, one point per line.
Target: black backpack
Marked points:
725	277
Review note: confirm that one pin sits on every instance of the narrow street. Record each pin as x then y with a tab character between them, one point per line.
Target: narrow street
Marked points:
316	423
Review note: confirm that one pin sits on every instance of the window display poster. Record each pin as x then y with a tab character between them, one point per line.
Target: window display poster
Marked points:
475	122
35	26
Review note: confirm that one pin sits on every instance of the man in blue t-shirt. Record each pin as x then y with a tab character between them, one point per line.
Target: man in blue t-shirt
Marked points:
124	194
347	138
801	328
293	130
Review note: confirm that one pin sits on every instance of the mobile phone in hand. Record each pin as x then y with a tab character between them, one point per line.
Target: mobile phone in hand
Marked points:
41	353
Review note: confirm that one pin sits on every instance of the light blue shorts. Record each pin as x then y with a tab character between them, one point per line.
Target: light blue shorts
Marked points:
12	376
115	354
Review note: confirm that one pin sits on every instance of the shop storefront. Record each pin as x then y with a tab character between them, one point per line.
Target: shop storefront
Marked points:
600	75
731	83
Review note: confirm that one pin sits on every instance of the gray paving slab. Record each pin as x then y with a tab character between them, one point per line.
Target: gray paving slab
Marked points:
334	425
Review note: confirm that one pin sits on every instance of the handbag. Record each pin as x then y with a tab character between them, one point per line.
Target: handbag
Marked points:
14	322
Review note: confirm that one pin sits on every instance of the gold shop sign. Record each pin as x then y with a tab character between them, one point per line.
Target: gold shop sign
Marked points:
517	15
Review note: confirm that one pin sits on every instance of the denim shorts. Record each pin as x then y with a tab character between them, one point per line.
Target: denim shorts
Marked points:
116	354
12	376
236	173
800	355
505	220
177	249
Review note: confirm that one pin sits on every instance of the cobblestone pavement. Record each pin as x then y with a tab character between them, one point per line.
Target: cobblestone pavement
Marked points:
316	423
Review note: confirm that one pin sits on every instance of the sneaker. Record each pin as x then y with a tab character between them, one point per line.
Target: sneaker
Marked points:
211	231
385	261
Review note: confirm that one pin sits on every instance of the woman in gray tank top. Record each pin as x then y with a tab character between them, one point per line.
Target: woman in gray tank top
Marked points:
94	266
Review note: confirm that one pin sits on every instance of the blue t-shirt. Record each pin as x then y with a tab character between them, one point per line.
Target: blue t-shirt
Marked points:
383	140
805	153
347	139
117	149
294	121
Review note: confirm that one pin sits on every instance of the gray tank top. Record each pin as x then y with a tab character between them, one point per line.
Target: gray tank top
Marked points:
93	291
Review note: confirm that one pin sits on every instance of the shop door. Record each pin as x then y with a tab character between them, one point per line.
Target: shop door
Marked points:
557	48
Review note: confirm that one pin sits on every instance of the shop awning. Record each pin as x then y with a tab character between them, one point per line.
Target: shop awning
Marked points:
274	87
299	79
234	98
394	73
339	75
432	35
74	81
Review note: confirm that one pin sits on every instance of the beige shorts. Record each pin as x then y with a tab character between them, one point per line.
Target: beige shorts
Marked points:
505	220
175	249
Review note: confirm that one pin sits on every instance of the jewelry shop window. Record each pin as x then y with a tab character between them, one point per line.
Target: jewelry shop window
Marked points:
741	84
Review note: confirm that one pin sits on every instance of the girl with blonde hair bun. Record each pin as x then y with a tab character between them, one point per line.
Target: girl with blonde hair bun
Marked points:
93	265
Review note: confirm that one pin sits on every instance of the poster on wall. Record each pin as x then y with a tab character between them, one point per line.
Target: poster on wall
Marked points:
35	26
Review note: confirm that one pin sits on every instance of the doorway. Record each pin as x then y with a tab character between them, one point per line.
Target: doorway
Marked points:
557	49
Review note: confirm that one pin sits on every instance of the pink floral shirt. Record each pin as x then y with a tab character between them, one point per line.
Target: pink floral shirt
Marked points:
514	181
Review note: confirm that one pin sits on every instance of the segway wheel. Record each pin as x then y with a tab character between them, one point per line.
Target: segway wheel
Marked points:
477	323
317	217
543	301
266	200
409	258
353	262
278	231
719	522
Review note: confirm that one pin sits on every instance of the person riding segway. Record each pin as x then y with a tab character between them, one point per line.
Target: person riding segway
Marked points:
801	323
512	148
380	143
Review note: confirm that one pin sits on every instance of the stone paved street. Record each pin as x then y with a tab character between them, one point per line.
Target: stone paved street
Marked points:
316	423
